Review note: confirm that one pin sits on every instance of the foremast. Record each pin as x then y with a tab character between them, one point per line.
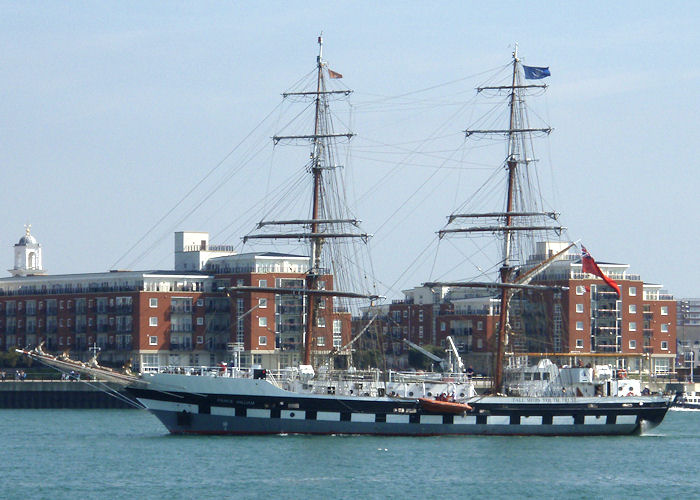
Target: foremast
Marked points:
322	225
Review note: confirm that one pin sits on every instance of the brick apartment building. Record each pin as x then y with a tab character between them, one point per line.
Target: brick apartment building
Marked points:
636	330
180	317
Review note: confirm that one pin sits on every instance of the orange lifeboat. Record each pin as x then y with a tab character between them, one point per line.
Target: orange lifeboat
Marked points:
436	406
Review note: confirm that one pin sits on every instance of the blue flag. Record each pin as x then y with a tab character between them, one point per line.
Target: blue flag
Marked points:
535	73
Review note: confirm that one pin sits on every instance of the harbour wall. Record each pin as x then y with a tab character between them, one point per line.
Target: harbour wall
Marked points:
58	394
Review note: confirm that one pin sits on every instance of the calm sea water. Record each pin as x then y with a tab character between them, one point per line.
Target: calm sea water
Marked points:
85	454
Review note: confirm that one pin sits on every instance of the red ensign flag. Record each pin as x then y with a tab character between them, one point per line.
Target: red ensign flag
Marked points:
589	266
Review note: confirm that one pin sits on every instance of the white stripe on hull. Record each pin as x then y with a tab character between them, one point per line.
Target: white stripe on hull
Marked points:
395	425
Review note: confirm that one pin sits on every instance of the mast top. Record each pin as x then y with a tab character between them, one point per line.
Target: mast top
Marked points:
515	52
319	59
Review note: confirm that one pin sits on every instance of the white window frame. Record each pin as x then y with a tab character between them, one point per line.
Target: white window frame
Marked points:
633	344
262	283
153	340
579	343
153	321
321	321
580	289
579	308
262	321
153	302
632	308
664	327
633	326
579	326
262	340
262	303
632	291
664	345
664	310
200	321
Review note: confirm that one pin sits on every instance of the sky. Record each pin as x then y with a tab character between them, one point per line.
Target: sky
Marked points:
113	112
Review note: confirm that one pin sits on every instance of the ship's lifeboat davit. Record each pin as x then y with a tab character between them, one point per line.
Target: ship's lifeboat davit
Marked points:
437	406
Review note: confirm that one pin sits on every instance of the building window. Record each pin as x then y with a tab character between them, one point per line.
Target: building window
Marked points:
153	340
579	343
337	326
153	321
262	321
405	313
200	302
580	290
321	321
153	303
262	340
579	326
480	325
420	332
321	341
664	310
633	308
579	308
664	327
443	326
200	321
262	283
633	326
200	339
633	344
632	291
664	345
321	303
420	315
262	303
321	285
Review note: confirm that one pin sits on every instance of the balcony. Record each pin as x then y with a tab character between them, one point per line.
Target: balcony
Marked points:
218	307
181	309
180	347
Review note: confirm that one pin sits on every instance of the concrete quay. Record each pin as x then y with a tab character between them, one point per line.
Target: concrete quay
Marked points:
58	394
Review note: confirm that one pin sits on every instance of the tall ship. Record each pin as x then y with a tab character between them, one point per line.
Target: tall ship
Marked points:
315	397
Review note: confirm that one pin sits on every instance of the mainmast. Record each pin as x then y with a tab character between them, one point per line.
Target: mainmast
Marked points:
505	270
513	220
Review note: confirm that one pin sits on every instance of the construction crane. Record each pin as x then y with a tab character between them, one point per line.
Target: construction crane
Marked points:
446	365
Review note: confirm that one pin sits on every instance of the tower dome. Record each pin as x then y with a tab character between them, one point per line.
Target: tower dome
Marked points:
27	239
27	255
